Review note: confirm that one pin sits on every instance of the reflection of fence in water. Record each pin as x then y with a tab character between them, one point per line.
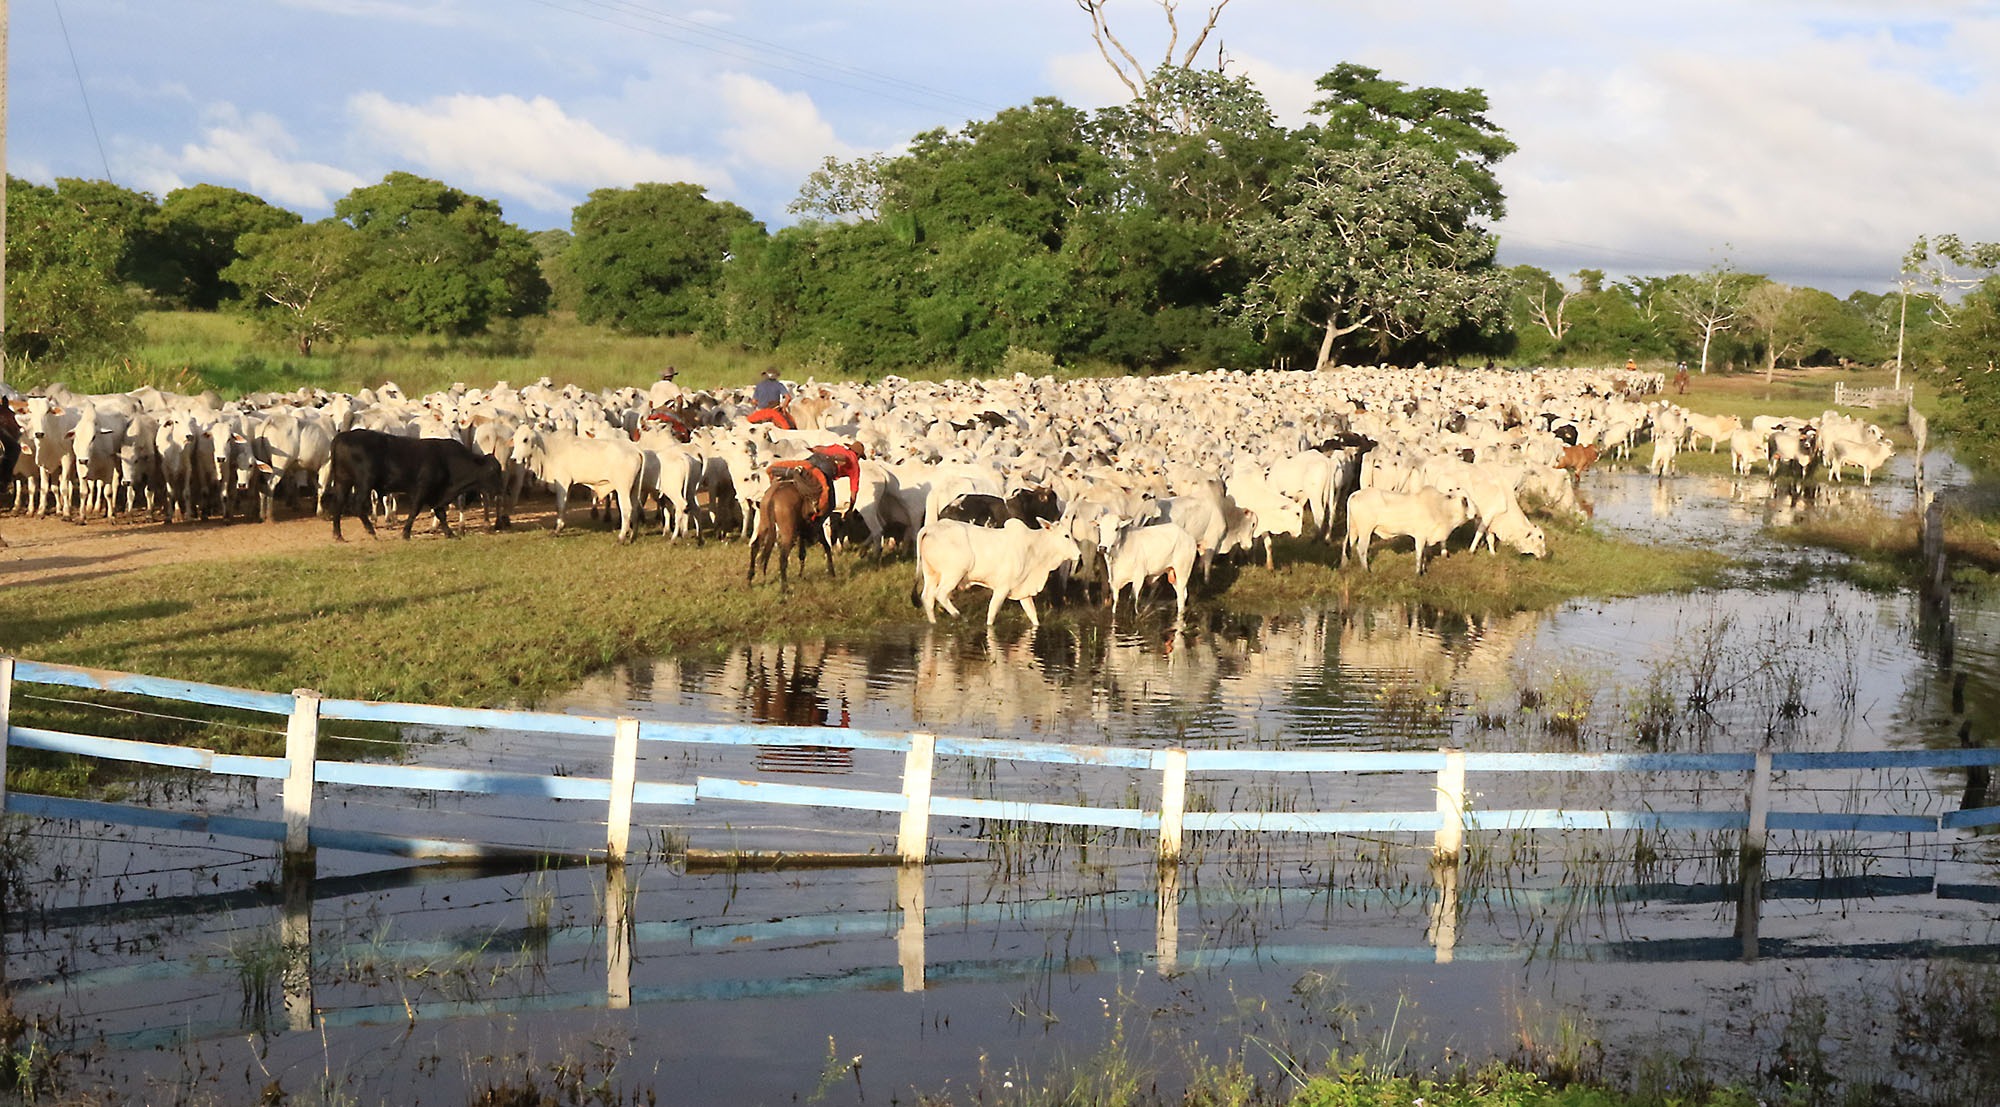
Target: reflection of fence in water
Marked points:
586	958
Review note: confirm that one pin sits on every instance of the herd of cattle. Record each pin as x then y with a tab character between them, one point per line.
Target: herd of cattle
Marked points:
1113	482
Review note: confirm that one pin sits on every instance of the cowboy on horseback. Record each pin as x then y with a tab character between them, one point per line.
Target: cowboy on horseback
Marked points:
819	470
773	402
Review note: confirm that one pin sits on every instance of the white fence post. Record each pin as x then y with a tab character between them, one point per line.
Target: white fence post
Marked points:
301	755
1450	806
913	836
624	778
6	713
1757	834
1173	802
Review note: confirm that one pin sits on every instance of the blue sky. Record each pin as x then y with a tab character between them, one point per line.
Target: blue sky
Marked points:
1811	141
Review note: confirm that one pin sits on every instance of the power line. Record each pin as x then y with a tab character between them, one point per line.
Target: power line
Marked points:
759	52
80	90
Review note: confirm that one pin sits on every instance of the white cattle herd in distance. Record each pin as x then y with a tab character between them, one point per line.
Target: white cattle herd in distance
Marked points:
1153	475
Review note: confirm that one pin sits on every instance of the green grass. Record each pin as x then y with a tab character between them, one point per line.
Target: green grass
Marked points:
1581	562
1798	393
511	618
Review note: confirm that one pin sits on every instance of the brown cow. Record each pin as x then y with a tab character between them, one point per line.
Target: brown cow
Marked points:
1578	458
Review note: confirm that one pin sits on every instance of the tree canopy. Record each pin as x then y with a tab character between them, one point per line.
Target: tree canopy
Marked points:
65	297
647	258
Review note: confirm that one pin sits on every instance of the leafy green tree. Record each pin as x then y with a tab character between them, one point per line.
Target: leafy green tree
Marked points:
842	189
145	259
65	300
550	247
199	227
1787	320
1376	240
1031	170
441	261
647	259
304	283
1362	108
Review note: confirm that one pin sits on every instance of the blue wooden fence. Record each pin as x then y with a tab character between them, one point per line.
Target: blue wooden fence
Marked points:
1451	816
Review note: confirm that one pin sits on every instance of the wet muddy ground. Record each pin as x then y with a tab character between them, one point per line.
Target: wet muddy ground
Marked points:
173	961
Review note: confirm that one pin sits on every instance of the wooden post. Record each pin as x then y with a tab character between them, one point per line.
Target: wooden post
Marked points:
6	714
910	934
618	933
624	778
301	755
1450	806
1444	912
296	875
913	836
1167	919
1756	836
1173	802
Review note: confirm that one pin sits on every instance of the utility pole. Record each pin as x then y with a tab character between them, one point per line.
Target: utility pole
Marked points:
3	191
1901	322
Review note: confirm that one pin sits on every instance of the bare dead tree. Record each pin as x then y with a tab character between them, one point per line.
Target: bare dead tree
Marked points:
1131	72
1551	318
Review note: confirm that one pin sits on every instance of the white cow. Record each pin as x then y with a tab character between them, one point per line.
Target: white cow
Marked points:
291	445
1013	560
47	430
1427	516
1865	454
1745	448
99	435
1515	529
1715	428
607	466
1665	449
1134	555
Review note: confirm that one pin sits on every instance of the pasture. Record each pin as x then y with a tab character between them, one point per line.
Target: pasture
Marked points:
1671	620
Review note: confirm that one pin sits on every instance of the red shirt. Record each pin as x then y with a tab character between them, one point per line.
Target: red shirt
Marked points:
845	464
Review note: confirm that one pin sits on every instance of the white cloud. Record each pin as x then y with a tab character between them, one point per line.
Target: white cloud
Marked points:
529	150
773	130
438	13
1822	160
254	150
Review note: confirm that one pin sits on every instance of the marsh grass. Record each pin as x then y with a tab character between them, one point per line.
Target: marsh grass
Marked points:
1581	562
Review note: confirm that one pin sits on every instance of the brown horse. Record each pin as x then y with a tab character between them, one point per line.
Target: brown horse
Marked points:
784	520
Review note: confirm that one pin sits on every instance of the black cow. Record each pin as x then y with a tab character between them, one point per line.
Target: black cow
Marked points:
433	472
1036	507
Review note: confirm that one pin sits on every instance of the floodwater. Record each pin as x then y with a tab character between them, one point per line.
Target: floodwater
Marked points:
189	970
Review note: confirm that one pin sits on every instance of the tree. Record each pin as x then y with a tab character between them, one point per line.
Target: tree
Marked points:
302	283
1376	239
1787	320
647	259
440	261
842	189
1362	107
144	259
1708	303
199	227
1137	77
65	300
1545	298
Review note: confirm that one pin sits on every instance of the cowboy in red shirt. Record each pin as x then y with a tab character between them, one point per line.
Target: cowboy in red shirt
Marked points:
828	464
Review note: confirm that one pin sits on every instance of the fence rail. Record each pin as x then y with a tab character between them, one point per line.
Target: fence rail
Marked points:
1452	816
1845	395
